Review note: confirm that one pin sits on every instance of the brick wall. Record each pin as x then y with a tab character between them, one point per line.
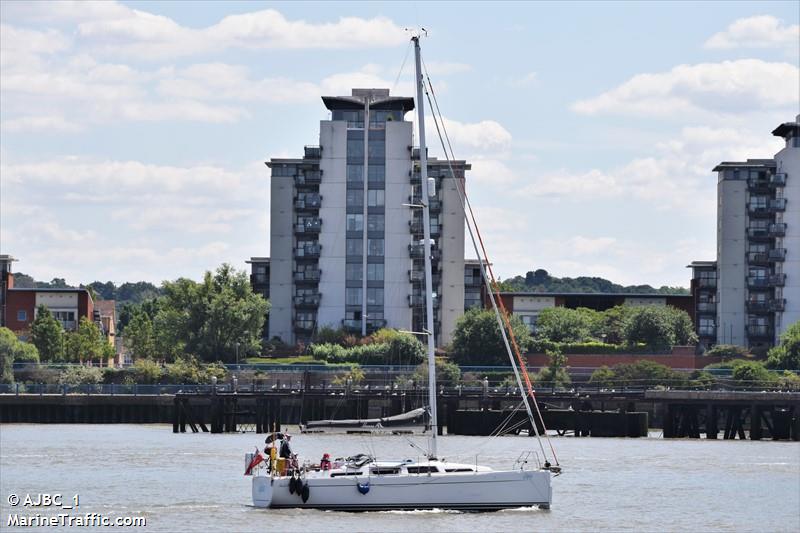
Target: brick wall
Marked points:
682	357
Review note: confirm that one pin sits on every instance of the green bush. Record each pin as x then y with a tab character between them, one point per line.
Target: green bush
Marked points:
590	347
329	335
728	351
731	364
753	371
81	375
603	376
144	371
647	373
447	374
701	378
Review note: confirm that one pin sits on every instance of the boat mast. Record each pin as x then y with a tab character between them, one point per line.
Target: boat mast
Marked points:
426	225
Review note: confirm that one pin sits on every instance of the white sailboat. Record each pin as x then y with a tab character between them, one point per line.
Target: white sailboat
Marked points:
363	483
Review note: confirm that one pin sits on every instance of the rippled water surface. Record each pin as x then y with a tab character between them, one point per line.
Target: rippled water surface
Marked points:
191	482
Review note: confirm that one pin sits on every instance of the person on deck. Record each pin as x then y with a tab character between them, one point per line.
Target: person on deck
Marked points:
286	447
325	462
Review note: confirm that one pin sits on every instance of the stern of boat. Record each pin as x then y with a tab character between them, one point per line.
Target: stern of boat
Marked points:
262	491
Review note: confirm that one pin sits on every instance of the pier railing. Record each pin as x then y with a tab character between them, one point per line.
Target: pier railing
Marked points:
398	386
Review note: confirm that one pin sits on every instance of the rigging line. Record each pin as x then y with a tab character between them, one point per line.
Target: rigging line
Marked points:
464	200
402	66
491	295
486	257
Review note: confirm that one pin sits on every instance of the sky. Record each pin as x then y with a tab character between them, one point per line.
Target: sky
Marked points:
133	135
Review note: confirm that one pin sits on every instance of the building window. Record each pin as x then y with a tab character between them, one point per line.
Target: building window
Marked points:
375	222
377	173
354	272
355	173
375	198
374	272
375	296
355	198
355	246
375	247
22	316
355	222
352	296
355	150
377	150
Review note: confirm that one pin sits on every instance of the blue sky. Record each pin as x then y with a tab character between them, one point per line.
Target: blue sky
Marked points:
133	134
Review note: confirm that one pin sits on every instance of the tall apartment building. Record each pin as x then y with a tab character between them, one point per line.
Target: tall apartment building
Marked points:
757	272
346	227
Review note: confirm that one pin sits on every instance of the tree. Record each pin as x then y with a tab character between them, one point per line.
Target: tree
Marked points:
47	335
560	324
87	343
477	339
786	356
603	377
139	338
12	349
555	373
646	373
652	326
215	318
612	324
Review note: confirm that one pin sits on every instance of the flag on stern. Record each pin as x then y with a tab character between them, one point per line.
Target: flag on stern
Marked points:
257	458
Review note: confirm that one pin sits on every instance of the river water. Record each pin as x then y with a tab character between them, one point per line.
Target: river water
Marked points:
194	482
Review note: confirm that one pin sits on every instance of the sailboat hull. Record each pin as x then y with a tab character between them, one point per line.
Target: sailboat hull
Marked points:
476	491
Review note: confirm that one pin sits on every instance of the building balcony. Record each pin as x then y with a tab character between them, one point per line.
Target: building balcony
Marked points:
417	251
418	228
415	152
307	300
755	184
757	258
418	300
433	203
706	307
776	204
259	279
308	202
760	331
308	177
307	275
418	276
777	229
312	152
758	233
311	225
311	251
777	254
707	283
778	179
707	331
766	306
304	326
774	280
373	324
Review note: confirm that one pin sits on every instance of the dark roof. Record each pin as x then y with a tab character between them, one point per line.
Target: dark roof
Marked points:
352	102
702	264
786	128
750	163
258	260
36	289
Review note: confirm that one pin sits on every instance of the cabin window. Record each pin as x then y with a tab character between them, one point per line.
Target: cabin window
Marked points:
338	474
422	469
459	470
385	471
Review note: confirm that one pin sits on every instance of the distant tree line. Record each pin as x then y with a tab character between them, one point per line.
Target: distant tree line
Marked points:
541	281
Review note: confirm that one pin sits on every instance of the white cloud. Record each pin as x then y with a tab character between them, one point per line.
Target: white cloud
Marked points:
42	123
677	175
761	31
486	136
732	87
117	30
